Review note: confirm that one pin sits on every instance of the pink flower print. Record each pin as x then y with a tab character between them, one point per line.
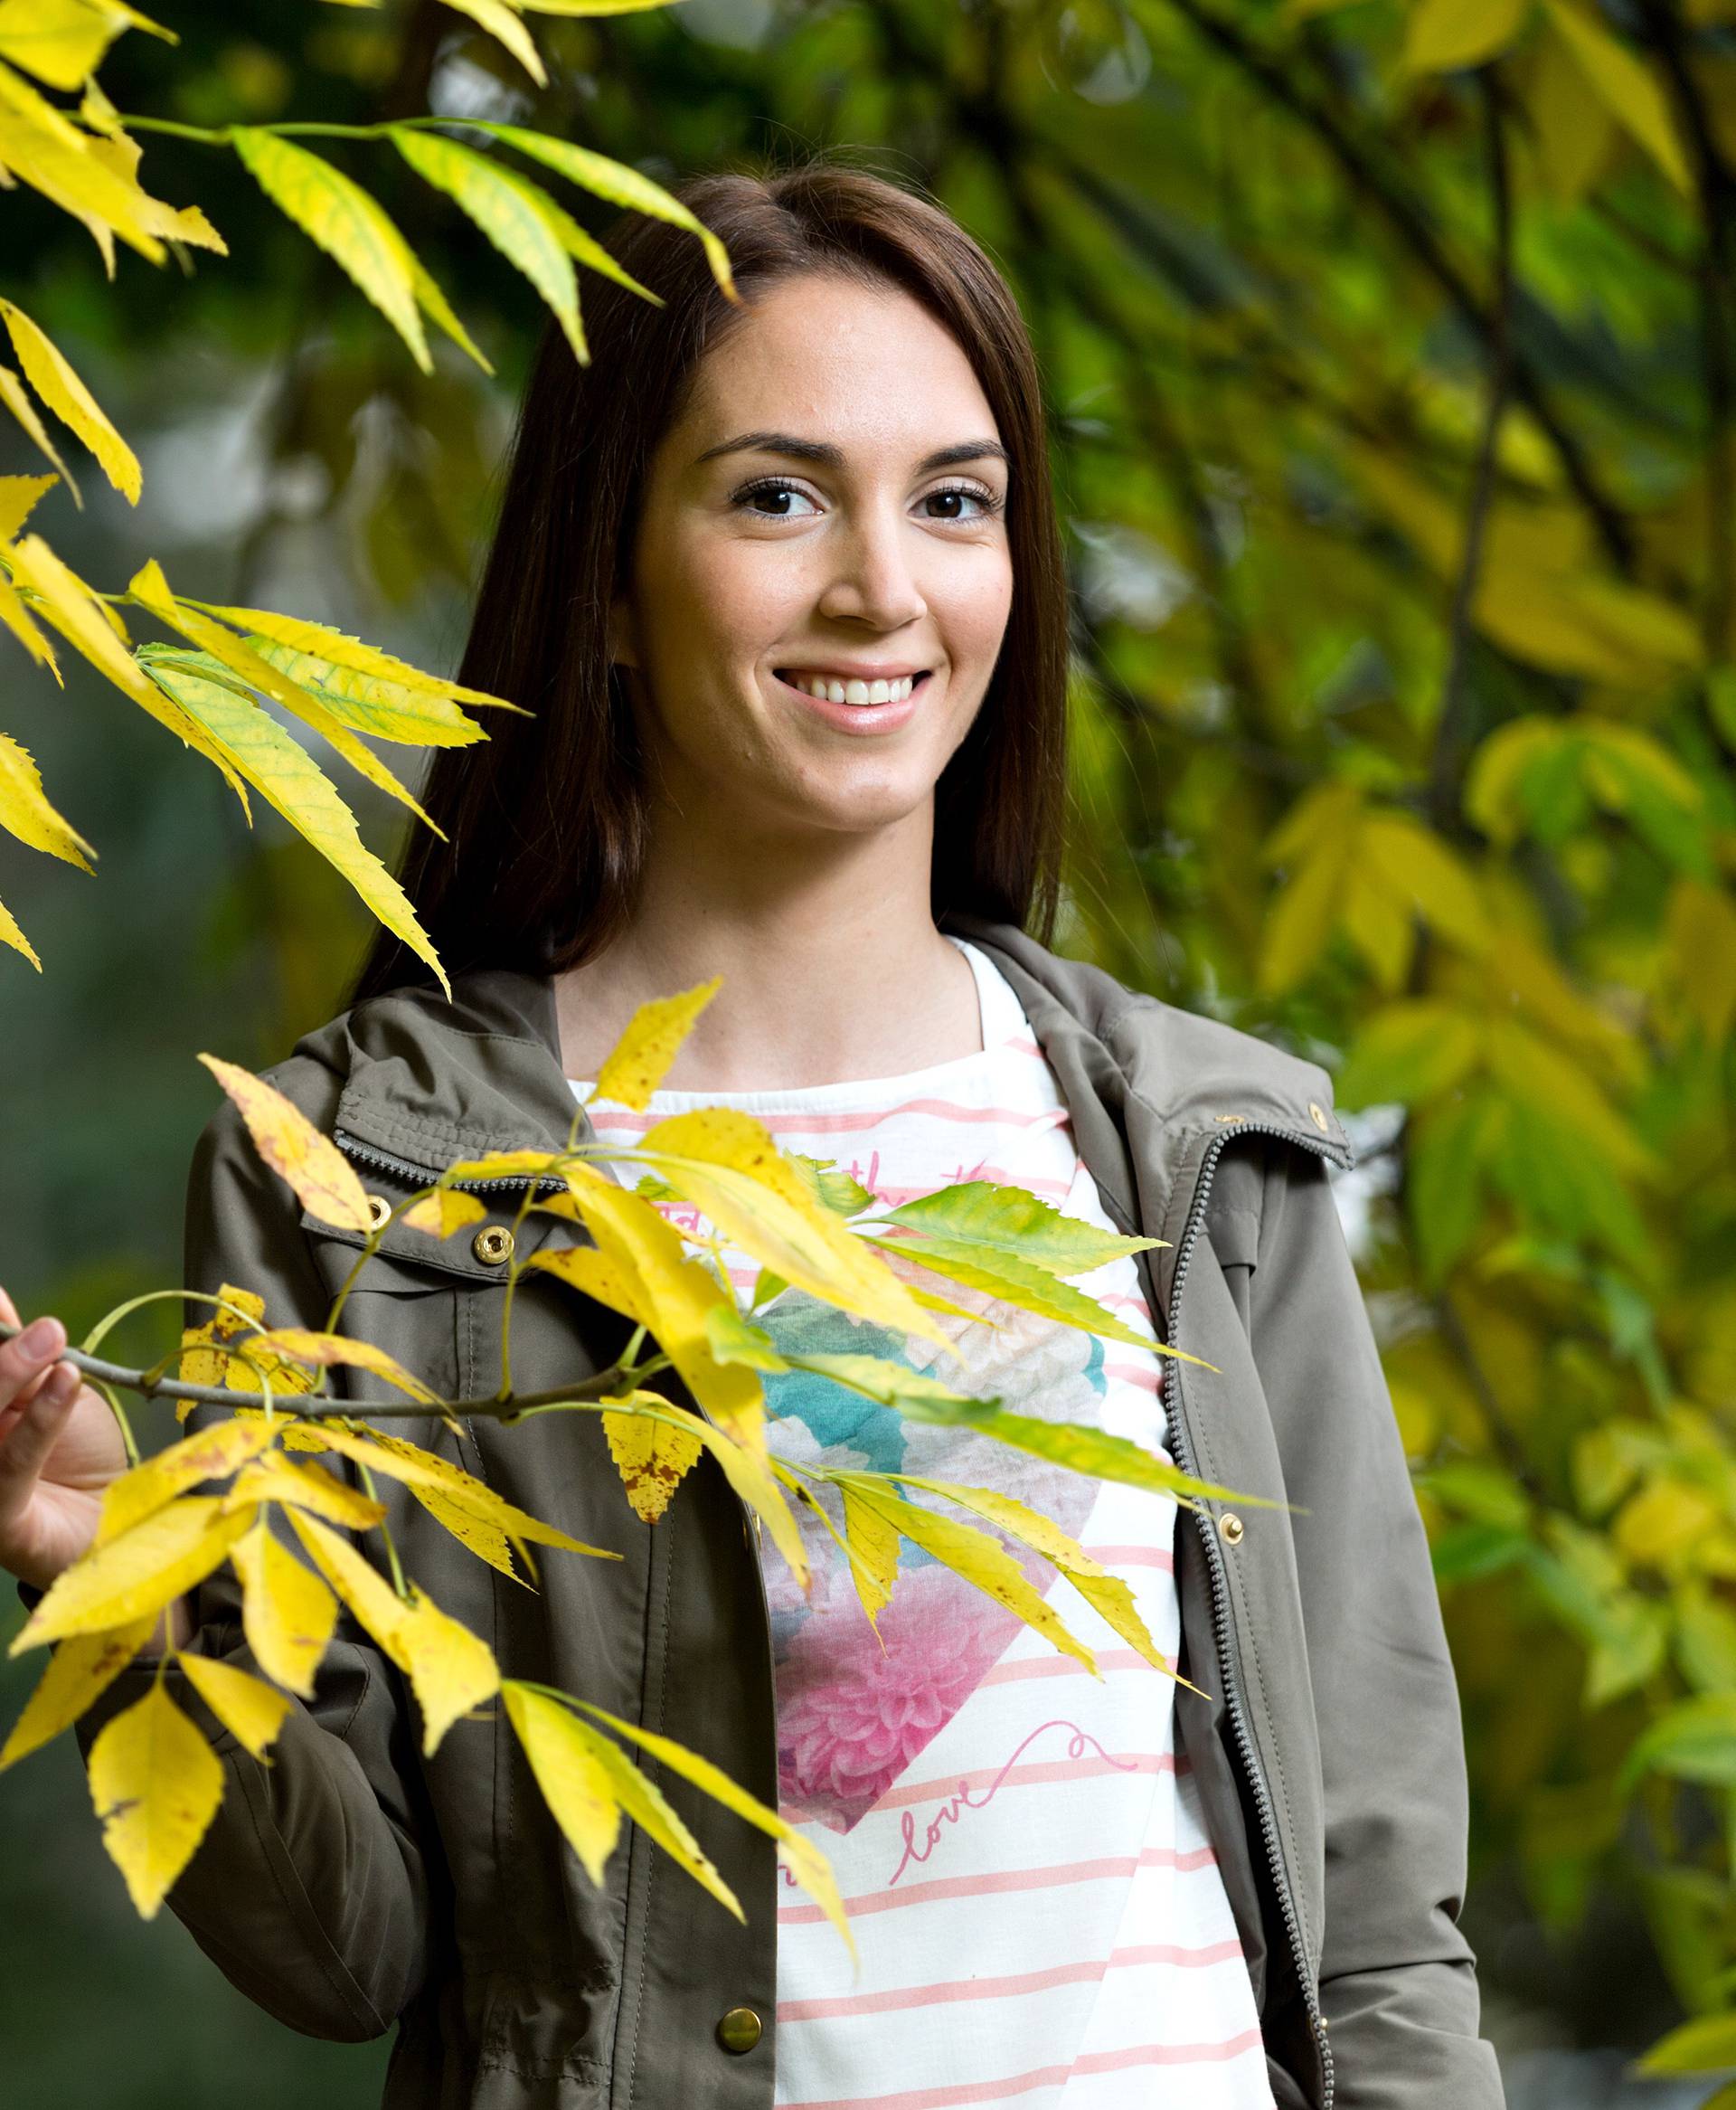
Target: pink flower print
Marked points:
851	1716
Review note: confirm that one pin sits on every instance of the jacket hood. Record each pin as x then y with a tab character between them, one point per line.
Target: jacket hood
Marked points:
430	1081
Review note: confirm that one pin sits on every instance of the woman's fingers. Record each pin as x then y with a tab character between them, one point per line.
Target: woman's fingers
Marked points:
24	1356
26	1446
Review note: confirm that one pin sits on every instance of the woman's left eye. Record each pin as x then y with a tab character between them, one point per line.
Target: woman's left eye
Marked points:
989	503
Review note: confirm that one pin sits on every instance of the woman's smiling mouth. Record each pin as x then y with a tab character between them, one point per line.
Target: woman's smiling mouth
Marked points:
850	688
851	703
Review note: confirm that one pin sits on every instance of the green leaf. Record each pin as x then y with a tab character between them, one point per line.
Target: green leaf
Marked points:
1006	1220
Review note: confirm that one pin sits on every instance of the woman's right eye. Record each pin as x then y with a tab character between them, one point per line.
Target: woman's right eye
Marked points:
771	487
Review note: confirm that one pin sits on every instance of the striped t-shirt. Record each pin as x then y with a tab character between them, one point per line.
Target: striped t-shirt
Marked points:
1041	1918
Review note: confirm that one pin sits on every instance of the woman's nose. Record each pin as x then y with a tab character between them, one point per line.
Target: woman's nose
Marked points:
872	580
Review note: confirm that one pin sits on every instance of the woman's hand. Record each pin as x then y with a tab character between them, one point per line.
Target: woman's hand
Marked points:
59	1450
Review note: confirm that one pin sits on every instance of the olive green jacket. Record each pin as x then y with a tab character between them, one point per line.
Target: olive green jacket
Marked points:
352	1885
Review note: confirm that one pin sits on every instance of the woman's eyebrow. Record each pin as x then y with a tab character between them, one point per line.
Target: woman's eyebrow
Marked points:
826	456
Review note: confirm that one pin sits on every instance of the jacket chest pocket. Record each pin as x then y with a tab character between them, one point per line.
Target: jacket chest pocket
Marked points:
439	1306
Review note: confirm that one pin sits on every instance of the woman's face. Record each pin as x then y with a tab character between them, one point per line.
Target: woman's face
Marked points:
828	509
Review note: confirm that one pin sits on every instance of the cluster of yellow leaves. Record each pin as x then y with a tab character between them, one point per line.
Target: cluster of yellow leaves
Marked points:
209	688
215	1496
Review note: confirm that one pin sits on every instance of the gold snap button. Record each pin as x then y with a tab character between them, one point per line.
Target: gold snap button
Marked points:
1316	1114
1229	1117
739	2030
493	1244
1231	1528
379	1209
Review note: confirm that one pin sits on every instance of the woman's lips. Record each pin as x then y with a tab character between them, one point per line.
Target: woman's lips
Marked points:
858	718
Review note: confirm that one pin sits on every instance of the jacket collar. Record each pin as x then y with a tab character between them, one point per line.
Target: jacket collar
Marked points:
428	1082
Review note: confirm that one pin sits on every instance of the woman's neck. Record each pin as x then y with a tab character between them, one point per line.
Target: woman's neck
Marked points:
832	965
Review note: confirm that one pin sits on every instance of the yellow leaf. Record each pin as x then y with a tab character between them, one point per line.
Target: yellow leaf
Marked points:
747	1468
727	1165
134	1576
18	496
53	378
83	1666
16	617
156	1786
287	1613
442	1212
1656	1526
651	1458
273	760
486	1541
25	811
507	28
676	1293
431	299
621	185
212	1354
11	934
332	647
589	1269
323	1178
874	1543
973	1556
1443	35
807	1863
422	1470
347	222
367	703
576	1786
75	180
150	587
450	1670
645	1804
94	630
522	221
120	155
12	394
1625	85
17	94
250	1709
303	1344
575	8
357	1582
277	1478
1107	1595
58	40
213	1454
640	1061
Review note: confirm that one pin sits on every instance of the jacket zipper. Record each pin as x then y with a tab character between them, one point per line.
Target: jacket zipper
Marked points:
1183	1448
427	1175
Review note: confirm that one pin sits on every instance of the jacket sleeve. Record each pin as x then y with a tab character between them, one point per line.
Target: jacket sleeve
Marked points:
310	1890
1398	1979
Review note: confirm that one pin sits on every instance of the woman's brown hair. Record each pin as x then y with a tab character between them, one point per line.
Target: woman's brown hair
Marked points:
546	820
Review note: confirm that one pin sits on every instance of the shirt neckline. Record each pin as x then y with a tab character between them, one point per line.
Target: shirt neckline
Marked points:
1001	1017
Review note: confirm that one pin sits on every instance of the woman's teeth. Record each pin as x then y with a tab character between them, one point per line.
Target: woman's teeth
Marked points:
852	692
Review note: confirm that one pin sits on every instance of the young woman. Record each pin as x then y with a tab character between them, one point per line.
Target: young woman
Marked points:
780	585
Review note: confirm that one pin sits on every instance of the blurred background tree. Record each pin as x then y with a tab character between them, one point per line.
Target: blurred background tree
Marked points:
1391	355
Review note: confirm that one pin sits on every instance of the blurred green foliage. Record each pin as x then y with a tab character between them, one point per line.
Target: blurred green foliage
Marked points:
1393	381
